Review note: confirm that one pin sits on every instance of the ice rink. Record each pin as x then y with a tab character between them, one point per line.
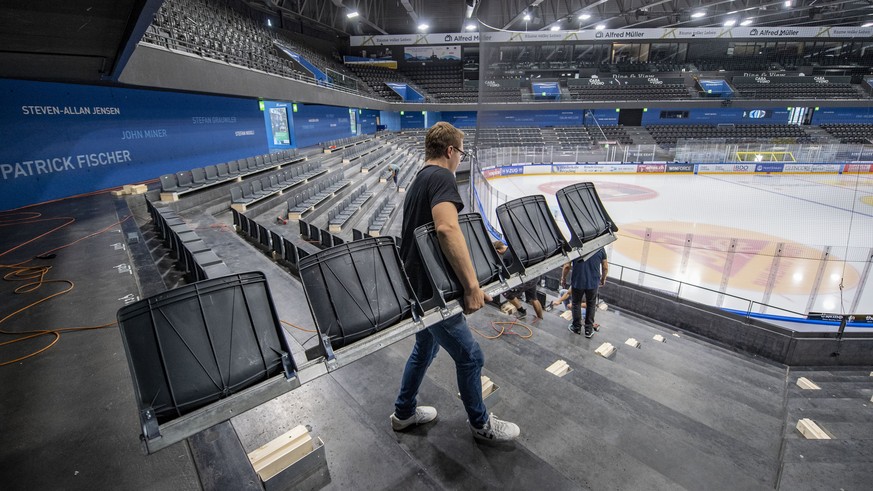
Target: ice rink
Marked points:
789	241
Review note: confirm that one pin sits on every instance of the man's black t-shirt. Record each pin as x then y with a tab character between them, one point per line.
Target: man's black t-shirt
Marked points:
433	185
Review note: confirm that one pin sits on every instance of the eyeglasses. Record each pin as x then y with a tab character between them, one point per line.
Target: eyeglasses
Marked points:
463	153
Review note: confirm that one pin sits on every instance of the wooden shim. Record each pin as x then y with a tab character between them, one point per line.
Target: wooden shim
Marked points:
805	383
118	193
632	343
138	189
811	430
567	315
605	350
487	386
559	368
659	338
281	453
169	197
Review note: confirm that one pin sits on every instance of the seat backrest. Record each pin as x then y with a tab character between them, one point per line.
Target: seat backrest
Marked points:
185	179
169	183
211	172
356	289
233	167
584	213
184	356
247	190
530	231
198	175
223	170
442	278
257	188
236	194
243	165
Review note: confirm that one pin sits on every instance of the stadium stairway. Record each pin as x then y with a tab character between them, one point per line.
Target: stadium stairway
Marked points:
842	407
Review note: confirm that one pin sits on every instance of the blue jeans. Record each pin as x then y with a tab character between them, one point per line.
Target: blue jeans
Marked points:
455	337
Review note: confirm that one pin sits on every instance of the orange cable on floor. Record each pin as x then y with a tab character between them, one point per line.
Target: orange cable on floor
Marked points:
503	330
35	276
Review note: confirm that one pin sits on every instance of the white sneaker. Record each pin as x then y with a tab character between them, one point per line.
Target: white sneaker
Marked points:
496	430
423	414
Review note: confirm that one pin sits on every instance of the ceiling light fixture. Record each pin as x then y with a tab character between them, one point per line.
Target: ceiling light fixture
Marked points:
600	27
470	27
697	15
746	22
352	15
869	24
526	17
789	3
556	28
730	22
423	27
584	16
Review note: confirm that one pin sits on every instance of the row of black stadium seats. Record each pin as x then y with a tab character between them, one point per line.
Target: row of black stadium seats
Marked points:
308	199
340	214
381	216
269	241
192	254
202	177
278	182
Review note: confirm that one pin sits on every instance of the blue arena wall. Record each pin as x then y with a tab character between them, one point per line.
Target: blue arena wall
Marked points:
411	120
64	139
763	115
830	115
315	123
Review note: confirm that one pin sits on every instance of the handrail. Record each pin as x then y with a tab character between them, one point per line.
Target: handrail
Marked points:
677	294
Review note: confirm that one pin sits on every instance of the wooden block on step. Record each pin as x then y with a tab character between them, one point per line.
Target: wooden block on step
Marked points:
139	189
559	368
659	338
805	383
487	386
605	350
632	343
127	188
119	192
279	454
811	430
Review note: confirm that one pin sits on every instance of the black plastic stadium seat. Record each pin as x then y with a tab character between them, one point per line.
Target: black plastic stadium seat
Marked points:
356	289
444	283
530	231
584	213
202	342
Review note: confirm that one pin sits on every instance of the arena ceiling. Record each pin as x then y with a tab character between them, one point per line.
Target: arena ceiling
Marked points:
404	16
89	40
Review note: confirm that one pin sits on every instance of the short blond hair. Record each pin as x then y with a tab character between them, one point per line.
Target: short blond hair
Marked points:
439	138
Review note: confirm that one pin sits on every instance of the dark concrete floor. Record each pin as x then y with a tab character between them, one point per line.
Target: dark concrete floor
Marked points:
680	414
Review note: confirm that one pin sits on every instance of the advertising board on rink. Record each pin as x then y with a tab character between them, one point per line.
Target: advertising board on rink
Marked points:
813	168
725	168
676	167
652	168
854	168
768	167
